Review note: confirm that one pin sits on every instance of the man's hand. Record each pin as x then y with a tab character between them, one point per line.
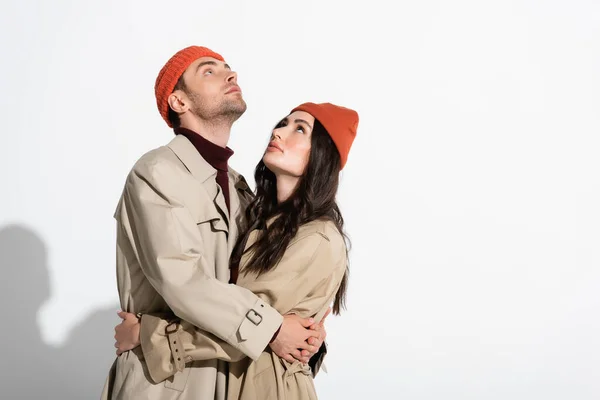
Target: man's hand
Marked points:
293	338
127	333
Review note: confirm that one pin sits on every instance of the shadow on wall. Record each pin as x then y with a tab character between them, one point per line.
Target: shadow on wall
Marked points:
31	368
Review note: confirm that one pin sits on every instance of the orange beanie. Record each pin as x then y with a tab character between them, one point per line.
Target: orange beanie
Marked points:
340	122
172	71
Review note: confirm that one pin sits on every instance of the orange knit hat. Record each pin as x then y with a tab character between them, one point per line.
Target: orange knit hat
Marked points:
340	122
172	71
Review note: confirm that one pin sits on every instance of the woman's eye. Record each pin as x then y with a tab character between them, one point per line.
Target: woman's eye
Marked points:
208	72
300	128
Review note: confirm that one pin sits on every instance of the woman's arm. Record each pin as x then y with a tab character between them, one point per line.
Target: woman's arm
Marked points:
308	276
306	280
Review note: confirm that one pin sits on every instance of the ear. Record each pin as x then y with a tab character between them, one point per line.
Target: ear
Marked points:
178	102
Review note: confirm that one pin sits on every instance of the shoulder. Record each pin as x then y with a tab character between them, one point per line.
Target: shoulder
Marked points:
156	167
149	173
323	237
325	229
157	159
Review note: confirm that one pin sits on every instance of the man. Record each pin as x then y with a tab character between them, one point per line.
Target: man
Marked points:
177	221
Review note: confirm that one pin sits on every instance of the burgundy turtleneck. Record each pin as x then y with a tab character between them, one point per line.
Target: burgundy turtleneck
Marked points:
215	155
218	157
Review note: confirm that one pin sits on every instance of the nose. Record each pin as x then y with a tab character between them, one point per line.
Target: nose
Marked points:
231	77
275	135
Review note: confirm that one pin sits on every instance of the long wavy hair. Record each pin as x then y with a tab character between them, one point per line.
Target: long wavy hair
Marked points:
314	198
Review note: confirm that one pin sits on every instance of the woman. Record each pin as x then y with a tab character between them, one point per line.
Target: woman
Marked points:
292	254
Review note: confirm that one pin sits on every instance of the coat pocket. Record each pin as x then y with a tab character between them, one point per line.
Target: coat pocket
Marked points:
265	385
178	381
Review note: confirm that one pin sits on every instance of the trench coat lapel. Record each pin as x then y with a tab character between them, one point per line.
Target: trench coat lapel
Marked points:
238	189
204	173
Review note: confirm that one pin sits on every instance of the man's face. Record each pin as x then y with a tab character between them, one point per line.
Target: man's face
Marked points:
212	90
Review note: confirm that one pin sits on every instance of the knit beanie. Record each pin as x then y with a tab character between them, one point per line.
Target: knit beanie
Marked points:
172	71
340	122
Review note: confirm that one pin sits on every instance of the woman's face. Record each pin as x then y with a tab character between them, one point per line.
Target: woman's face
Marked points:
289	149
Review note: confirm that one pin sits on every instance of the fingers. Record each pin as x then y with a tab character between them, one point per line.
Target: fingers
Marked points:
307	322
305	356
323	334
315	341
132	317
311	343
297	355
311	333
319	325
124	315
123	347
288	358
309	347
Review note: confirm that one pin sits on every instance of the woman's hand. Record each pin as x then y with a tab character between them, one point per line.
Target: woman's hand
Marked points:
316	341
127	333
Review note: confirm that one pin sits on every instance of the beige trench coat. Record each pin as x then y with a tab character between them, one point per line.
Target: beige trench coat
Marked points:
174	239
304	282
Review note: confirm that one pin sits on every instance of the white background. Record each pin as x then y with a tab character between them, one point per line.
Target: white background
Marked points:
471	194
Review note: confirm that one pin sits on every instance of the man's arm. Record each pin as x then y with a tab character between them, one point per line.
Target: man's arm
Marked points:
311	278
169	249
167	346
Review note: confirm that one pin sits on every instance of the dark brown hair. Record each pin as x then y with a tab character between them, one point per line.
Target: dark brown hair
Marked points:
314	198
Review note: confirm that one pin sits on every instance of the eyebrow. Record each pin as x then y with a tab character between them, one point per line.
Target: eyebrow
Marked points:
300	121
203	63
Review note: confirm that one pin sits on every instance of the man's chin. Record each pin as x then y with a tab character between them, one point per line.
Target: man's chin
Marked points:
235	109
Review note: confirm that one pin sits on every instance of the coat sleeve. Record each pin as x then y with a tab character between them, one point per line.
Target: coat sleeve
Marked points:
169	250
310	275
163	340
307	278
304	282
